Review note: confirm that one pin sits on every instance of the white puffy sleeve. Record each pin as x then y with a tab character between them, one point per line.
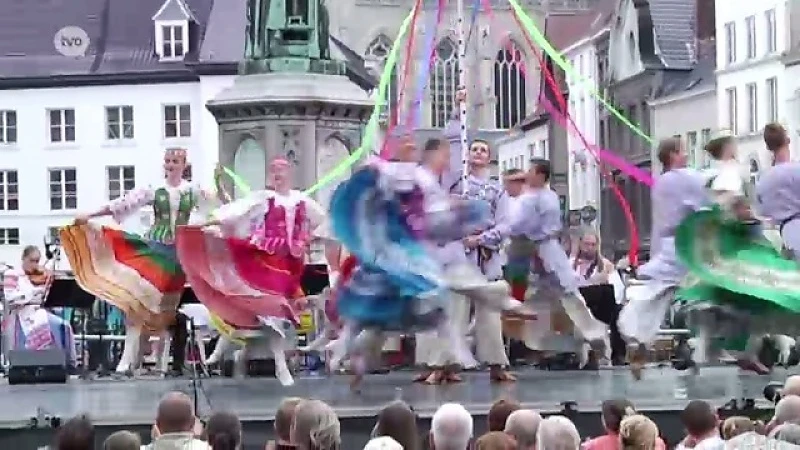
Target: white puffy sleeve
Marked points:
242	212
206	202
19	291
129	204
319	226
397	176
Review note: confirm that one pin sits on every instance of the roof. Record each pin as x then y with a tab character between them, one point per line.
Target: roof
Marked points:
122	42
701	77
674	29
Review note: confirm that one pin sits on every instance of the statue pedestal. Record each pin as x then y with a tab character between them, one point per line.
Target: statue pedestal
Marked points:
313	120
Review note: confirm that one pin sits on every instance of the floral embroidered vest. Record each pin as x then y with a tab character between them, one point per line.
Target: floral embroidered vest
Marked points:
163	230
272	237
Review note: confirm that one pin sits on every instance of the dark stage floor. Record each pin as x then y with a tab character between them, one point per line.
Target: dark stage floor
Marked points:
133	402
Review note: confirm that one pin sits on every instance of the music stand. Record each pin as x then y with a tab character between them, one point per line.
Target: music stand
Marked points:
65	293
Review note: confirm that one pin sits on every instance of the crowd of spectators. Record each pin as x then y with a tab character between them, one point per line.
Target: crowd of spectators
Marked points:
307	424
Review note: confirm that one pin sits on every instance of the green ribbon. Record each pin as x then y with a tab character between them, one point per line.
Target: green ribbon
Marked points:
539	38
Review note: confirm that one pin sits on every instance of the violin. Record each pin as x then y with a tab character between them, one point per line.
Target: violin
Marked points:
40	276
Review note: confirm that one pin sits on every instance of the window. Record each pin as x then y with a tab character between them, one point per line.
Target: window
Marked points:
54	233
120	180
733	123
376	54
705	136
750	23
691	146
545	150
63	189
772	34
509	87
172	41
119	122
532	151
8	127
752	107
177	121
62	125
9	236
9	190
444	80
730	42
772	99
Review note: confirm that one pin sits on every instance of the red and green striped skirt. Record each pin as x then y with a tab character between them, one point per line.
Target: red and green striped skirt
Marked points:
140	277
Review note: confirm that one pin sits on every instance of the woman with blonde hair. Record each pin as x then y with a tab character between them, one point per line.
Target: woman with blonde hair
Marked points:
638	432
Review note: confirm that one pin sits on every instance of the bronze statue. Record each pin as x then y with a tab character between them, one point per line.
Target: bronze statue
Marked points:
270	21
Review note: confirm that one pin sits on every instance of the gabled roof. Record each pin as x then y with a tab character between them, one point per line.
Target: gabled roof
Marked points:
174	10
674	29
122	48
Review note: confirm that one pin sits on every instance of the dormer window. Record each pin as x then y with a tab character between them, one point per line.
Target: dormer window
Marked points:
172	41
172	22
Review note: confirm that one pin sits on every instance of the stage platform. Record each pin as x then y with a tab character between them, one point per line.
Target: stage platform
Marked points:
131	403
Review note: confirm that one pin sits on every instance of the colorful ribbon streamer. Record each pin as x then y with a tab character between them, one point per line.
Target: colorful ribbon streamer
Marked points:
371	129
530	28
429	53
566	120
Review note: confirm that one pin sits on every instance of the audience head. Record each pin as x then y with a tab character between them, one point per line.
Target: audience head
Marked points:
224	431
436	154
451	427
788	432
722	148
637	432
284	417
383	443
736	425
495	440
522	425
315	426
791	386
175	414
539	173
499	412
122	440
612	413
787	410
75	434
399	422
557	433
699	418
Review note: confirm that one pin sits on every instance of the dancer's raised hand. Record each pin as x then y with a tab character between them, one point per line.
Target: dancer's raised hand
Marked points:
81	219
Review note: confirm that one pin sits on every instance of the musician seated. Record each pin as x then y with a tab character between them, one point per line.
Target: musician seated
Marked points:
593	270
31	326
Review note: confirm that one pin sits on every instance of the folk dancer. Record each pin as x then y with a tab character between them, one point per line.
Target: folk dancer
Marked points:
729	189
482	248
515	271
778	190
140	275
677	193
28	325
536	230
394	217
246	264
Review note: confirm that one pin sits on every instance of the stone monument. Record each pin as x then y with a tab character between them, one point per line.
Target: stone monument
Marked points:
291	99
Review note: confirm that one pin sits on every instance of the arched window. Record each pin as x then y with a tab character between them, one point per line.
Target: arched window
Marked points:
509	87
250	163
444	81
375	56
332	153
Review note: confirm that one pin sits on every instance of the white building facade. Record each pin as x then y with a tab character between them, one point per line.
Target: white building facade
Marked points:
532	141
752	86
583	175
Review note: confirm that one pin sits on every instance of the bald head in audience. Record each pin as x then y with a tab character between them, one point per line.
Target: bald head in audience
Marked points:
175	414
792	385
787	410
522	425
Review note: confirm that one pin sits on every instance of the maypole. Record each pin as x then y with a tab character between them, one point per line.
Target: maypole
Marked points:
462	83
